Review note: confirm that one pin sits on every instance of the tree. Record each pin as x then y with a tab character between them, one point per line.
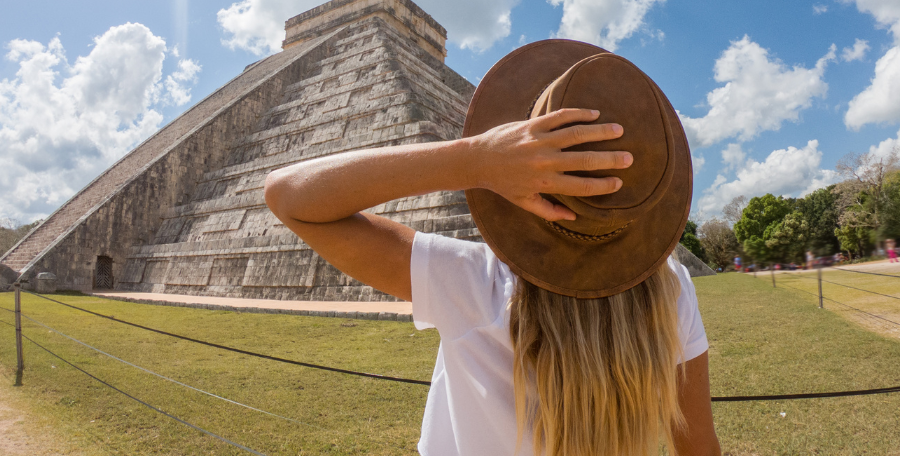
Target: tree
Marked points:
719	242
820	210
690	241
752	230
735	209
890	222
865	196
786	240
854	239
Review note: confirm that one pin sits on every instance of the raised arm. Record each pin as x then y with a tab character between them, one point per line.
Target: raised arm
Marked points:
320	200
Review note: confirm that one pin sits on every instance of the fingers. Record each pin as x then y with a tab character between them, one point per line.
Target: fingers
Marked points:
591	161
580	134
545	209
584	186
557	119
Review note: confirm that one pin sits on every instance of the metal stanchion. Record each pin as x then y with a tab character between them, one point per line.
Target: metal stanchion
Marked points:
20	360
821	305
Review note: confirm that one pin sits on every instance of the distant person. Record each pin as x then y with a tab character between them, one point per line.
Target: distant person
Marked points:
737	263
891	247
810	259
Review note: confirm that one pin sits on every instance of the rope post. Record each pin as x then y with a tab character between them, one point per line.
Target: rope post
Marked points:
772	270
821	306
20	361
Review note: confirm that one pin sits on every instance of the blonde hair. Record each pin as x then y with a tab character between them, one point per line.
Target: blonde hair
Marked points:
597	376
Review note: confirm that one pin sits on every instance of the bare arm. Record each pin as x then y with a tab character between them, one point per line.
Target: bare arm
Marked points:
320	199
699	436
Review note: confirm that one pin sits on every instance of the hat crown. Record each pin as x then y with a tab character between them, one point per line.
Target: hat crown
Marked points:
619	244
624	95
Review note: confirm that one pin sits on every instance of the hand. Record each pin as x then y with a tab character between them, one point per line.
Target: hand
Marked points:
521	160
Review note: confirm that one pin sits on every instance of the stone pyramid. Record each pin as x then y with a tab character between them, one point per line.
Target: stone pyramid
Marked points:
184	211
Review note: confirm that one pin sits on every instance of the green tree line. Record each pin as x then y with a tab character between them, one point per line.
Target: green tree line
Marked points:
854	216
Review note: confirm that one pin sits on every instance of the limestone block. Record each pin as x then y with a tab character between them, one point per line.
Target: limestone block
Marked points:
45	283
189	271
134	270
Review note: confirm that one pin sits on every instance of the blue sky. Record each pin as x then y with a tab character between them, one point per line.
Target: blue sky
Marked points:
771	93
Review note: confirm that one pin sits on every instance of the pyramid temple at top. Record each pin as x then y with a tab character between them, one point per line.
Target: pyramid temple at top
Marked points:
184	211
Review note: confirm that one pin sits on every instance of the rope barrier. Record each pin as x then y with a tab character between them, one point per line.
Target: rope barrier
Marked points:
238	350
863	272
804	291
162	376
420	382
863	311
237	445
846	305
860	289
893	389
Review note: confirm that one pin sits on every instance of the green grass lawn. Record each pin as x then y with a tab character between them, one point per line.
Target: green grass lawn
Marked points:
777	341
763	341
836	286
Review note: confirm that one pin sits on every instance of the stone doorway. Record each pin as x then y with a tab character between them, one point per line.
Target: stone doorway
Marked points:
103	276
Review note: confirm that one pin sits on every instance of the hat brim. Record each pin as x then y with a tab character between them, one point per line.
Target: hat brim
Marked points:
524	241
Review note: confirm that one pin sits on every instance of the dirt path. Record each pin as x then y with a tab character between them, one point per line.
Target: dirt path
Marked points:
14	438
872	266
20	433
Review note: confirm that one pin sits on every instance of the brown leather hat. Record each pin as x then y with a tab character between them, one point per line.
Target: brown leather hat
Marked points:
617	240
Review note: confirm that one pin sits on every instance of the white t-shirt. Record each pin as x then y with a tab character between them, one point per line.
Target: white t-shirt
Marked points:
462	289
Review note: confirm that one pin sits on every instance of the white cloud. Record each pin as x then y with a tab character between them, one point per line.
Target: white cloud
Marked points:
258	25
886	147
176	83
789	172
886	12
602	22
733	156
472	24
857	52
820	9
880	102
759	94
697	162
62	124
18	48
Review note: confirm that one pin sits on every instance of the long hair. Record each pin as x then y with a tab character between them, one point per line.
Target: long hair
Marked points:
597	376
